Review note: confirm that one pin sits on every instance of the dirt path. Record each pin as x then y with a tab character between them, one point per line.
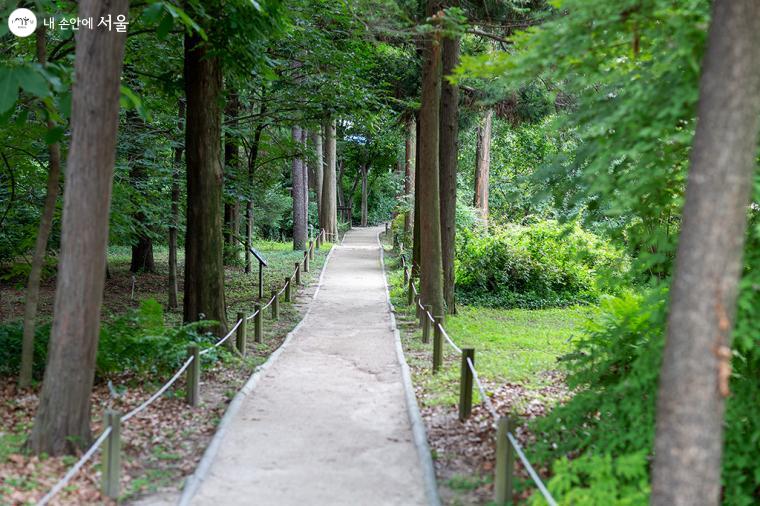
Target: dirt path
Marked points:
327	423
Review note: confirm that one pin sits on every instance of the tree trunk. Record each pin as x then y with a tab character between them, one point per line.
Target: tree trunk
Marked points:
339	184
416	217
317	176
299	188
40	246
173	303
231	167
483	165
204	244
329	195
62	424
695	371
364	171
431	263
448	162
142	250
252	158
409	159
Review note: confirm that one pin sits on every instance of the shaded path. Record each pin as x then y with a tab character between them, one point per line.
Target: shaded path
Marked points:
327	423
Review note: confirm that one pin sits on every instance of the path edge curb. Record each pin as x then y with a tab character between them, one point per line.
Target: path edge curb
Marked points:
419	432
194	481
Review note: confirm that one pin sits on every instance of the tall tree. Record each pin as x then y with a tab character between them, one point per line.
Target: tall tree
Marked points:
409	158
316	177
329	183
142	245
416	207
43	234
428	189
448	166
483	164
62	423
300	232
364	170
174	225
231	167
204	243
253	156
696	362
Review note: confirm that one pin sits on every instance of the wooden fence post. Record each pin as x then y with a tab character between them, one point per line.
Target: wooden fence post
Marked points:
287	288
275	306
465	384
306	261
111	457
298	273
386	227
193	394
257	324
410	296
437	344
418	309
425	320
505	462
311	250
406	275
241	337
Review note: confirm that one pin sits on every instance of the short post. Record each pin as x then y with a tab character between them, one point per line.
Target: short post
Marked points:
111	457
318	244
306	261
426	323
410	296
287	288
505	462
406	274
437	344
241	337
193	394
257	324
311	250
417	309
465	384
275	306
386	227
298	273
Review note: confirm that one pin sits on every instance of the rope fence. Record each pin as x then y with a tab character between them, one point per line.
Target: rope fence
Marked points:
506	443
110	438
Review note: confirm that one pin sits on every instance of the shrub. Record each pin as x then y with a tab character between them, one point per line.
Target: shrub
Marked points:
534	266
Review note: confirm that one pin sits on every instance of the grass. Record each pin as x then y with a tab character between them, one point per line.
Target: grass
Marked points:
511	346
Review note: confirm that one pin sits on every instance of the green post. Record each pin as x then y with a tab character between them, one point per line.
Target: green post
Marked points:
311	250
425	321
437	344
257	324
241	337
193	394
298	273
465	384
306	261
111	457
287	289
410	296
505	462
275	306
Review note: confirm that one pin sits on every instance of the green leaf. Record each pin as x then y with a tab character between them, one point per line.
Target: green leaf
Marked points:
166	25
64	104
54	135
153	12
32	81
8	88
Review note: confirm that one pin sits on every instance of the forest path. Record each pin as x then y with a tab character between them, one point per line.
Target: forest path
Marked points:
327	423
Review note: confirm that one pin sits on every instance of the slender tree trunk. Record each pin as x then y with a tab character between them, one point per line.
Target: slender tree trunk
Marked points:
416	217
62	424
696	363
231	167
448	162
329	184
252	158
142	250
299	188
174	227
364	172
339	184
204	243
483	165
409	158
318	171
431	263
40	246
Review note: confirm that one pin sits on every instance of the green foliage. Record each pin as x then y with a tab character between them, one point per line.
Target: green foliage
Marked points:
540	265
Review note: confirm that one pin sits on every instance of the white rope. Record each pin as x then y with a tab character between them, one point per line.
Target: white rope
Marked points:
268	304
160	391
283	288
253	315
75	468
531	471
486	399
430	317
224	339
453	345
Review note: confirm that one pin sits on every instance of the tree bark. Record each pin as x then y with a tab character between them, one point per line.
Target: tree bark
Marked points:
448	163
416	217
695	371
483	165
173	228
204	244
329	184
62	423
252	158
231	167
142	250
40	246
364	170
299	189
409	159
318	171
431	264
